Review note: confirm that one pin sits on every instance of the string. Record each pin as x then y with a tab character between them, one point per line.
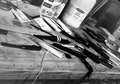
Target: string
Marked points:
41	69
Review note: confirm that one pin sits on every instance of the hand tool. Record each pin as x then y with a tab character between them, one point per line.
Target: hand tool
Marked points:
25	47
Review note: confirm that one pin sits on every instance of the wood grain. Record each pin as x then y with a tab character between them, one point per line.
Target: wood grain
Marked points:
19	64
21	61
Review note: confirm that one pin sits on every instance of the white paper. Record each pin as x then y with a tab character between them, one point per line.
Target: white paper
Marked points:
20	15
42	24
52	24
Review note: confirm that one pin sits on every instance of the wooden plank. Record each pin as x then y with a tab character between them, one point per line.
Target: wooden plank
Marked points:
19	64
25	60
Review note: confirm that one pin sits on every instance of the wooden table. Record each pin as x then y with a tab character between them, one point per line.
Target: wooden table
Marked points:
25	64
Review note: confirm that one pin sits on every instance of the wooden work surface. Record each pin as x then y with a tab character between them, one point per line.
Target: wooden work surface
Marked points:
19	64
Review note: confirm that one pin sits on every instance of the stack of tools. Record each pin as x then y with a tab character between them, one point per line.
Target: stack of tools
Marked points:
97	42
78	45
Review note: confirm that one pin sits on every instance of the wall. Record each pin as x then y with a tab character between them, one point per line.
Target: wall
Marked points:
108	15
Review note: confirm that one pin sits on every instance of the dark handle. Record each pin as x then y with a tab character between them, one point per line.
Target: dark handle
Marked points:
97	59
26	47
54	38
68	50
